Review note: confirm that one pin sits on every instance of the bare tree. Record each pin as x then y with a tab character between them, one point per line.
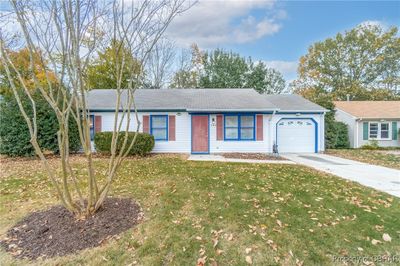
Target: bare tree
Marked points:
160	64
67	34
188	68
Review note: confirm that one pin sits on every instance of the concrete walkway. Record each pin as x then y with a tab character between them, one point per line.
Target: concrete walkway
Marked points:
220	158
378	177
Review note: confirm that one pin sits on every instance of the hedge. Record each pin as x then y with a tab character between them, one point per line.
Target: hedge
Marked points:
143	145
336	135
14	132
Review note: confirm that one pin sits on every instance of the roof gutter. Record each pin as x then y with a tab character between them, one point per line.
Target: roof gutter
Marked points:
229	110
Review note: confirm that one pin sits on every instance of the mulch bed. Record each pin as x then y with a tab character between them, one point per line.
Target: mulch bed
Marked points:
56	232
252	156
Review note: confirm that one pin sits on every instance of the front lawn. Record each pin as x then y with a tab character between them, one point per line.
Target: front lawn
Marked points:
228	213
386	158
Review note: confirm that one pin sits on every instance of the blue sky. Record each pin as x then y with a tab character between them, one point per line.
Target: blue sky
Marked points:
290	26
277	32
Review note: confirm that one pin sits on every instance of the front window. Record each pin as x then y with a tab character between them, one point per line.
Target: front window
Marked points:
159	127
239	127
379	130
373	130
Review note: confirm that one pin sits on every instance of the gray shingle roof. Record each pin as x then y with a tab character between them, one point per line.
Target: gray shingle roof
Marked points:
200	100
293	102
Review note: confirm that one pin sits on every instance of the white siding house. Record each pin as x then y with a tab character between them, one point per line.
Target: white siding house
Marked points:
367	121
218	120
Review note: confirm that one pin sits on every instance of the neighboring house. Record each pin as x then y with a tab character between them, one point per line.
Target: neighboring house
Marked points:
218	120
370	120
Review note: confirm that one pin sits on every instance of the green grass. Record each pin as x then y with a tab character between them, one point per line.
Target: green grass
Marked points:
377	157
284	213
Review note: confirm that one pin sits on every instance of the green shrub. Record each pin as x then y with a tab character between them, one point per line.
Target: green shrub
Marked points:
14	132
336	135
143	145
372	145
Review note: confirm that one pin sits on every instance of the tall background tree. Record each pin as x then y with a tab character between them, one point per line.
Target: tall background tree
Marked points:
159	67
264	79
226	69
360	64
222	69
103	70
21	59
190	64
363	63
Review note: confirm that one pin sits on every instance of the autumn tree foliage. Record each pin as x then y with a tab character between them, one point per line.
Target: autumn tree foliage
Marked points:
363	63
360	64
103	70
21	59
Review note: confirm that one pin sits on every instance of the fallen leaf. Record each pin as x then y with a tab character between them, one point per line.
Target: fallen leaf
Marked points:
375	242
215	243
299	262
202	251
279	223
201	261
249	260
198	238
360	249
386	237
248	250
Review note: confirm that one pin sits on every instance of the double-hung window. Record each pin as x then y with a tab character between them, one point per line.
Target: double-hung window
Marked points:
384	131
239	127
373	130
379	130
159	127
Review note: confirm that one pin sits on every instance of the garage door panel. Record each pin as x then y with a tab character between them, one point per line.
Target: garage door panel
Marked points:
295	135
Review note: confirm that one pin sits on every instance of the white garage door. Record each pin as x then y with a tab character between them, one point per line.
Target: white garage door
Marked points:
296	135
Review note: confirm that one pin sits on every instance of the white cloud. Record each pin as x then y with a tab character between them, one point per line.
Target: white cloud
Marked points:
283	66
212	23
250	29
287	68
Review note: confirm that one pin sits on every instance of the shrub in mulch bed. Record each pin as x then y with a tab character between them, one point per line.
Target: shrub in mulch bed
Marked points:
56	232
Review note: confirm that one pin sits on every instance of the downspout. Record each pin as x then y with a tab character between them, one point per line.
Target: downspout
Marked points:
273	139
356	136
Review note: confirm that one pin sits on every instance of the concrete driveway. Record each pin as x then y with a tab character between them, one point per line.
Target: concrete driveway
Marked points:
378	177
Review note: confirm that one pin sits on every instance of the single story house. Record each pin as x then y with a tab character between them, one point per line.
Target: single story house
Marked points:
370	120
202	121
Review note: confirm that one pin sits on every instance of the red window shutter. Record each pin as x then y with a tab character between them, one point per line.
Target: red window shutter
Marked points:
220	127
97	123
171	127
260	131
146	124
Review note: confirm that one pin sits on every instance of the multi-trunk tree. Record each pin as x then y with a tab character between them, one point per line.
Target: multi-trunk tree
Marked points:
68	35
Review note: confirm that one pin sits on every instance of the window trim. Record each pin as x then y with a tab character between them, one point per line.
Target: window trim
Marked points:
239	127
165	128
379	133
